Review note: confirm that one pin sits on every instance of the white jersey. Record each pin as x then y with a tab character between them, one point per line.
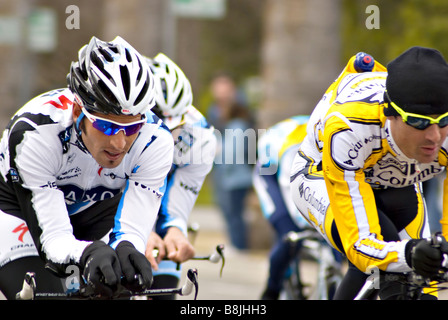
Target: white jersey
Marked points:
194	152
276	150
52	183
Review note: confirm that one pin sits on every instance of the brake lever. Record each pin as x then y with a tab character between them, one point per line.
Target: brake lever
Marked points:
436	242
215	257
28	288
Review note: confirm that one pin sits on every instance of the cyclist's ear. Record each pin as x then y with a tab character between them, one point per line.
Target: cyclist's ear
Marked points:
76	111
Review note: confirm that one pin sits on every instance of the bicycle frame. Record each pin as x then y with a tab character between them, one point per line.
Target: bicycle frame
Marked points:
328	276
367	290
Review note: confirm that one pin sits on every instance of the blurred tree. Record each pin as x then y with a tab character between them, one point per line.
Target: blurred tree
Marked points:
300	56
403	23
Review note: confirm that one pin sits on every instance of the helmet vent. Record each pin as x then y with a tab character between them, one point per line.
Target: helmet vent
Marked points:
128	56
142	93
126	81
98	62
179	97
106	54
140	72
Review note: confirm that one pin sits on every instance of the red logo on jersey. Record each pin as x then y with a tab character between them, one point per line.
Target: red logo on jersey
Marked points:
64	103
22	229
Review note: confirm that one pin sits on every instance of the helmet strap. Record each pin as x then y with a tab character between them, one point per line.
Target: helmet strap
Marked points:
78	132
78	121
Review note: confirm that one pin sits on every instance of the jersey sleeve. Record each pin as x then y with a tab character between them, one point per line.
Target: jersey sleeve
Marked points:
352	200
33	176
141	199
184	185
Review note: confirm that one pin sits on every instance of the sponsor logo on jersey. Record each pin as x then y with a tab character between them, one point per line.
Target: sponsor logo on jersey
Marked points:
70	173
391	172
74	194
14	175
62	103
193	189
21	230
155	192
310	196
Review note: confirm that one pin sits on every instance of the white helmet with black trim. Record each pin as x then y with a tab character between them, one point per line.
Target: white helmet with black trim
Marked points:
174	93
112	78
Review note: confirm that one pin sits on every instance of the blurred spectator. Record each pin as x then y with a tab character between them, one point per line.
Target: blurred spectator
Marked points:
232	173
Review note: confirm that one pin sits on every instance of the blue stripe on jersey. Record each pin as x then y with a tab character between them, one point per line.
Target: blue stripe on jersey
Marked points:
75	208
202	123
163	188
116	231
164	217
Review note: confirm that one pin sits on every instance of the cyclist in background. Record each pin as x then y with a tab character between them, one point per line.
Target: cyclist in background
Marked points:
371	141
83	174
271	180
194	152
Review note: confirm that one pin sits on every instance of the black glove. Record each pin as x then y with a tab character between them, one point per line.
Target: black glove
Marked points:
101	268
424	258
136	267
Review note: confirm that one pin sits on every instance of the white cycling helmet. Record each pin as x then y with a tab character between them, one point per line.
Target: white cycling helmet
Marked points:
112	77
174	93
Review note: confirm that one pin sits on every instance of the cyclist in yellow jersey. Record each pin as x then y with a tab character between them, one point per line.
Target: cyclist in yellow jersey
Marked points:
371	141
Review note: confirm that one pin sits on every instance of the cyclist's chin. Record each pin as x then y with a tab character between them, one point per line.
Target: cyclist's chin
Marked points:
108	162
426	158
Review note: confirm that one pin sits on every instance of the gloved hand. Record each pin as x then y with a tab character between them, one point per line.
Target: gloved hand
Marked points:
134	264
101	268
424	258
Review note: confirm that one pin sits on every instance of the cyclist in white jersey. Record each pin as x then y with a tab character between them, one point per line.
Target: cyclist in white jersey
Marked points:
371	141
276	149
83	174
194	152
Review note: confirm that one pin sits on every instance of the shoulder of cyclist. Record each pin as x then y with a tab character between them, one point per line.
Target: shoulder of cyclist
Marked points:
278	138
194	141
194	152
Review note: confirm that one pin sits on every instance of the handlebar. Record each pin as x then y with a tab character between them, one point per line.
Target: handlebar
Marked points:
294	236
28	291
436	242
414	281
216	256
